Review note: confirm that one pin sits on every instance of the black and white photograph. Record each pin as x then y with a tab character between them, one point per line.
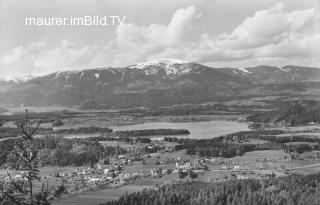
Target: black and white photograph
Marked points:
159	102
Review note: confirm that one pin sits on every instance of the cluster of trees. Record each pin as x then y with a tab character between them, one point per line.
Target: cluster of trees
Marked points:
216	147
83	130
151	132
297	148
76	152
109	138
153	149
59	151
6	146
257	133
212	149
190	173
143	140
286	139
293	189
270	136
254	134
183	140
8	132
120	139
57	123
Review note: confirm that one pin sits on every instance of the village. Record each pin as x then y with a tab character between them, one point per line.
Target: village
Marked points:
123	170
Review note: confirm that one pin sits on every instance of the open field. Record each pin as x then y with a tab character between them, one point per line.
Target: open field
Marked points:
97	197
307	134
299	129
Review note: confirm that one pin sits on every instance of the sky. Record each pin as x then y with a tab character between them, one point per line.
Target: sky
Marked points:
218	33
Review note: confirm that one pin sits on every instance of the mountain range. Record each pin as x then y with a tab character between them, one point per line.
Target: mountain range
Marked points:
158	83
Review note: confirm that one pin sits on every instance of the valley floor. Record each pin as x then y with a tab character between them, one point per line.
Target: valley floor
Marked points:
257	164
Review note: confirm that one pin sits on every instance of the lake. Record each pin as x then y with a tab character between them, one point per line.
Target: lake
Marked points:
198	130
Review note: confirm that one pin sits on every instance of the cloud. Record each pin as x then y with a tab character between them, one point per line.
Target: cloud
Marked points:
38	58
270	36
270	26
270	33
155	38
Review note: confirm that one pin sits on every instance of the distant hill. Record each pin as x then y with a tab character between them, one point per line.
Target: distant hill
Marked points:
157	83
3	111
270	74
6	85
297	113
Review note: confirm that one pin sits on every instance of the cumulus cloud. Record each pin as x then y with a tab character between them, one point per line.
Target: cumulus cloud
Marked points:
272	32
38	58
155	38
270	36
269	33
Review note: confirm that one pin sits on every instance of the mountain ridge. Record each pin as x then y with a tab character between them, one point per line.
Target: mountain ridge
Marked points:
154	83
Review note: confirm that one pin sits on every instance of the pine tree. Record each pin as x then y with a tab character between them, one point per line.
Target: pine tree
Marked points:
24	161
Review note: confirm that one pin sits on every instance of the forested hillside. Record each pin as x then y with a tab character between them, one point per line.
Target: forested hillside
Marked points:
293	189
297	113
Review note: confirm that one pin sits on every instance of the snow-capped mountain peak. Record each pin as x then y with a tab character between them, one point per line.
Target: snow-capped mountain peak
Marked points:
171	67
162	61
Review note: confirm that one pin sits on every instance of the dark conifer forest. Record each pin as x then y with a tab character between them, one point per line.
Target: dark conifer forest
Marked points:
289	190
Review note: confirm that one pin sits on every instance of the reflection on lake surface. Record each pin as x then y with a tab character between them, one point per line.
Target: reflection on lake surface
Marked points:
198	130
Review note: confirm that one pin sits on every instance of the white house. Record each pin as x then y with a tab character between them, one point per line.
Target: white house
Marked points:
236	168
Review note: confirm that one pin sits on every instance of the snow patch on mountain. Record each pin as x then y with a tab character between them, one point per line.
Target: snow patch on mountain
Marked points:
163	61
244	70
65	74
113	71
19	79
285	69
